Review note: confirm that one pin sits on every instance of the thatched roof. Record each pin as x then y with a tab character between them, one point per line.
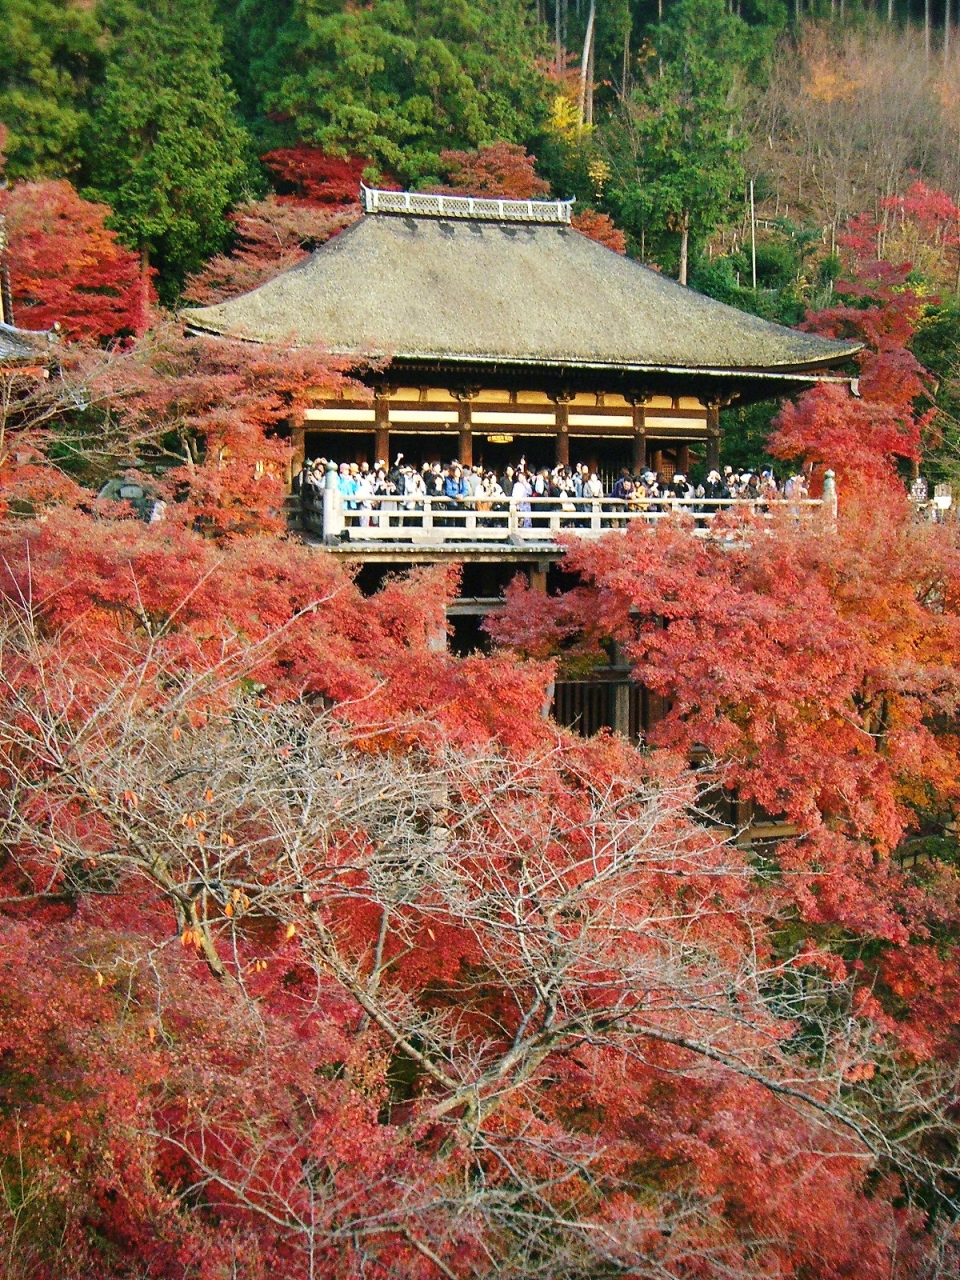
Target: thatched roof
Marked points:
24	346
486	290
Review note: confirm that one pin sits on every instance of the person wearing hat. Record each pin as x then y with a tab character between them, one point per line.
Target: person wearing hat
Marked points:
713	487
768	485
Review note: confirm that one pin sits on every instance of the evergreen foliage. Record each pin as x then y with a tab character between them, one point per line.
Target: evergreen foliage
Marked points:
677	158
166	151
398	82
49	58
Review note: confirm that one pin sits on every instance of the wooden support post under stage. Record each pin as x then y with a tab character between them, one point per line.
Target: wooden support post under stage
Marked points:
465	423
621	708
538	579
713	437
381	443
298	440
639	436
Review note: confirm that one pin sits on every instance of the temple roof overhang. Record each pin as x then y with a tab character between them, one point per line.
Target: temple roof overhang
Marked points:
25	346
451	285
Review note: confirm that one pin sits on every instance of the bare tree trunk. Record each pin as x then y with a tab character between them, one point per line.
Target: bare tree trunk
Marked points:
926	27
586	67
590	67
684	247
625	87
558	35
145	290
946	30
889	10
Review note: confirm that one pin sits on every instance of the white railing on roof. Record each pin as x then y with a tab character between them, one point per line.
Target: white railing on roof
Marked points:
440	522
423	204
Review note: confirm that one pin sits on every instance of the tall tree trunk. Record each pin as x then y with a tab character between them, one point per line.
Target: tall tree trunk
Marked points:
558	35
684	247
926	27
586	67
946	30
889	10
590	67
625	86
144	290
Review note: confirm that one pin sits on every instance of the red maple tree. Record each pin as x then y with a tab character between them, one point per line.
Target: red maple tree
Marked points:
365	993
600	227
307	173
817	667
68	268
863	437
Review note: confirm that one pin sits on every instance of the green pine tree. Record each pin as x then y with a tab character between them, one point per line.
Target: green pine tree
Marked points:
676	157
49	59
166	149
397	81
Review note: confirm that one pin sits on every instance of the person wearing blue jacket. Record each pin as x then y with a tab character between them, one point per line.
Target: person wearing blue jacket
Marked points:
455	489
454	485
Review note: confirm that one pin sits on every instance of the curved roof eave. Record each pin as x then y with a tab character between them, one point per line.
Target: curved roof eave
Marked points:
418	289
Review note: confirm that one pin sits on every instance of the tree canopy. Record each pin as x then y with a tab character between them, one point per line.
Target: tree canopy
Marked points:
677	163
49	60
165	150
397	83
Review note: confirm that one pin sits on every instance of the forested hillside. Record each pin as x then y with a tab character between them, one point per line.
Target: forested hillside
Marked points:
233	132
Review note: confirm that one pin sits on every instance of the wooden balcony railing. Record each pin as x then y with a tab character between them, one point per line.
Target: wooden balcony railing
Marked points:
433	522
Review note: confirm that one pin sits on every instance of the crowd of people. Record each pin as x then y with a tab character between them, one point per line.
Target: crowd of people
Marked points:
364	489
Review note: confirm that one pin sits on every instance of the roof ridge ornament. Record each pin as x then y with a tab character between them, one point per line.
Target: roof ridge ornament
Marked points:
425	204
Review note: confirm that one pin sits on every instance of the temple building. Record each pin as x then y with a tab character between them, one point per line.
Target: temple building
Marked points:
491	330
488	329
25	351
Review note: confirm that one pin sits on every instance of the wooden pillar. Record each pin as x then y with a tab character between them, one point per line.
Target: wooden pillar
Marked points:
657	461
683	459
639	433
298	440
620	709
465	427
538	578
381	443
562	412
713	437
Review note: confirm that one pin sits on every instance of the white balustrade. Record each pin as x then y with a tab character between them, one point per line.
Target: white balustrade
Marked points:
436	521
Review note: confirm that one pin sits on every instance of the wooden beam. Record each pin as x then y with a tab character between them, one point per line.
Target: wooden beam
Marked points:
639	433
713	437
381	446
465	426
562	413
